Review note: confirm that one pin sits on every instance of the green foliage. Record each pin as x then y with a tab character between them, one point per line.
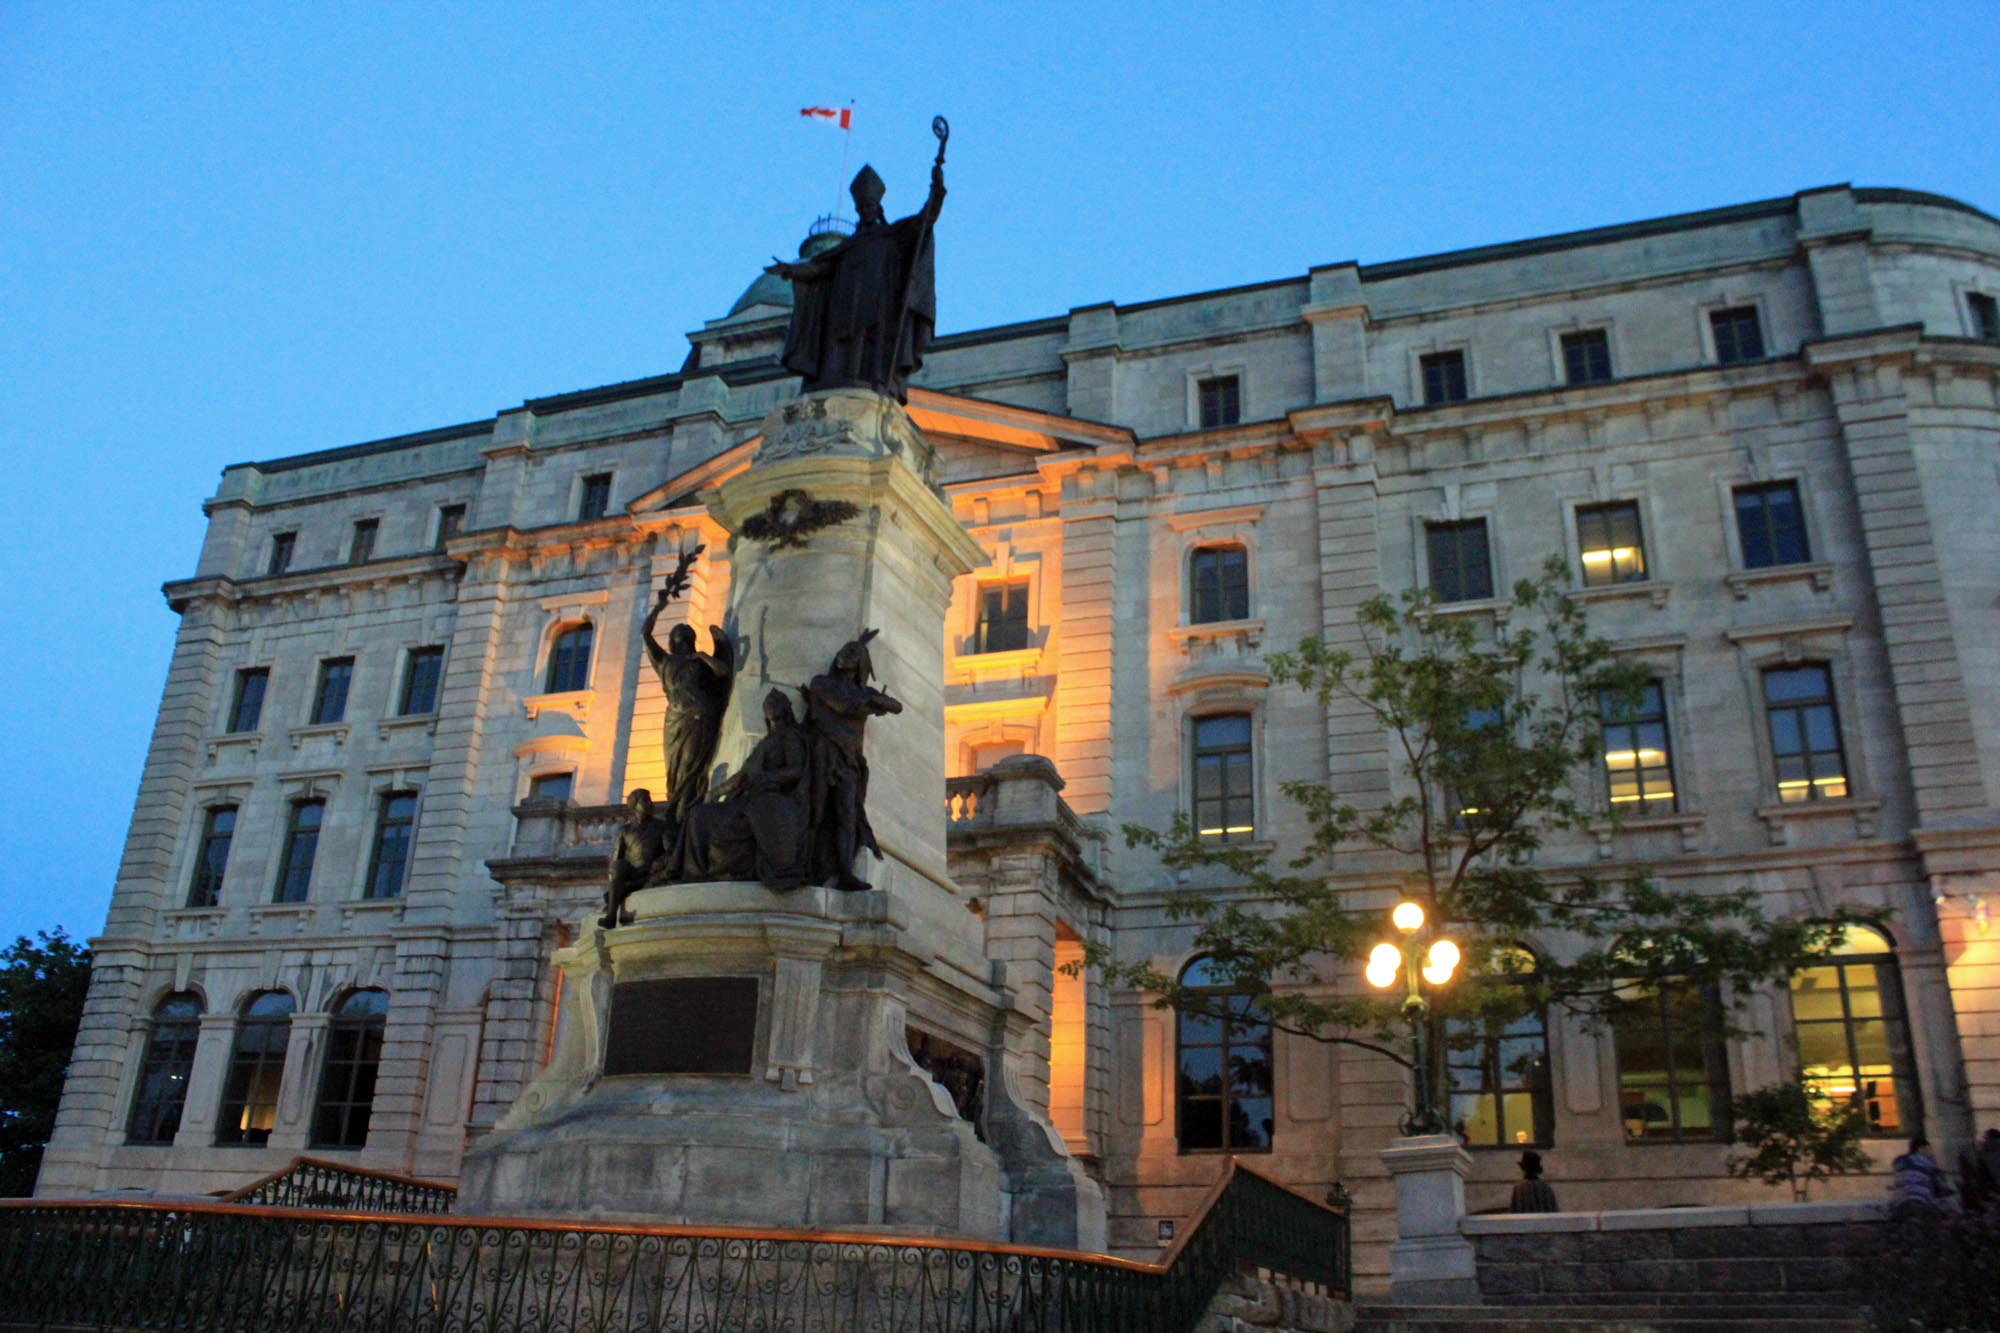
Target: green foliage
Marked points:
1490	732
1794	1142
42	986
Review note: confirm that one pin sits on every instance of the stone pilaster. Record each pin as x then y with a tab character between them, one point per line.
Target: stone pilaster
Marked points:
1083	678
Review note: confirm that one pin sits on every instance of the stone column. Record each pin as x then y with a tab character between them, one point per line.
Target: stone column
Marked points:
1430	1263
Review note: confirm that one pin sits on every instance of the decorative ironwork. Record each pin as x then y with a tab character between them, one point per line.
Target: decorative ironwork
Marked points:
310	1182
192	1268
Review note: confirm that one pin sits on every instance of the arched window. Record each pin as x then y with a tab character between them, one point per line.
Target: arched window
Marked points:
1218	584
569	660
163	1077
1853	1033
256	1068
347	1084
1224	1076
1673	1075
1499	1070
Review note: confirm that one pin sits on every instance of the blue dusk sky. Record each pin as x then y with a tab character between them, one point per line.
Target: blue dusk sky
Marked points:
234	232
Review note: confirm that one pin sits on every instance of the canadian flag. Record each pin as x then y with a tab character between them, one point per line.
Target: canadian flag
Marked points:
840	117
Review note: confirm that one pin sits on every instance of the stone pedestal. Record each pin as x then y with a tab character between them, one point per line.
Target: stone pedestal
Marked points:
811	1108
1430	1263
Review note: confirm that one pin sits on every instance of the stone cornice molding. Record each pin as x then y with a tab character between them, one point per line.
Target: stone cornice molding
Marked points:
181	594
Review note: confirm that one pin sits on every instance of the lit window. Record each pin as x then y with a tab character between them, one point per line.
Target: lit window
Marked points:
1221	401
1770	523
1003	618
1444	377
1608	537
596	498
1460	567
256	1070
1985	312
212	856
1499	1073
421	674
569	660
1738	335
283	544
361	546
1223	808
1853	1033
1673	1077
1638	760
451	522
395	824
163	1075
295	868
1219	584
1225	1086
1805	734
1586	357
551	787
330	698
247	708
347	1083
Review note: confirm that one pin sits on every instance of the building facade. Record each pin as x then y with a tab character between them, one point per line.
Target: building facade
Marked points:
408	694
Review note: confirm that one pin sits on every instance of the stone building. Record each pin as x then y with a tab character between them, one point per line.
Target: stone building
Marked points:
408	693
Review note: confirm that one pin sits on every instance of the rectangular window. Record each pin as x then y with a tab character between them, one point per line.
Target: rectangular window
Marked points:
247	708
1461	569
330	699
1219	584
1499	1075
395	824
211	858
1738	335
551	787
1221	401
1985	312
1586	357
1003	618
421	673
361	547
596	496
1673	1077
283	544
295	867
1223	808
1805	734
1444	377
1638	761
1608	538
451	522
1771	525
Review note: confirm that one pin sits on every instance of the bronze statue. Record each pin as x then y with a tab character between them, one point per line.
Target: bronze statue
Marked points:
644	843
863	311
839	703
697	688
759	826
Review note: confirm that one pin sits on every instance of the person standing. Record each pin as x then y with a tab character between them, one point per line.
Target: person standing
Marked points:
1532	1194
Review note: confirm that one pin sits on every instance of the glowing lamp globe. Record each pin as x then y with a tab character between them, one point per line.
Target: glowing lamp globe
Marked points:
1443	962
1407	917
1382	965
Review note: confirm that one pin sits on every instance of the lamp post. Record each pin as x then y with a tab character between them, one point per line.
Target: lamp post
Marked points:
1409	957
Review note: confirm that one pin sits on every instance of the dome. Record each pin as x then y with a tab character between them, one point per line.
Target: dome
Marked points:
771	290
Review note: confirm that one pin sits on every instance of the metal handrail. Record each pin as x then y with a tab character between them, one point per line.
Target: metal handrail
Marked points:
139	1265
314	1182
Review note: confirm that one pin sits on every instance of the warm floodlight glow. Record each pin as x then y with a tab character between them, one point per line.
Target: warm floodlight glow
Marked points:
1382	965
1443	962
1407	917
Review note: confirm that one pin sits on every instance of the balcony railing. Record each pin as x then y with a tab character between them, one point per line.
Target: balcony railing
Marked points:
197	1267
311	1183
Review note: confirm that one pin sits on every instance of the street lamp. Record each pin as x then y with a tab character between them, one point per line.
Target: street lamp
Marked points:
1417	964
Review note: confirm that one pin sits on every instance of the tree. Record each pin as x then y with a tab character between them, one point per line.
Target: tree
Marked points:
42	988
1490	732
1794	1141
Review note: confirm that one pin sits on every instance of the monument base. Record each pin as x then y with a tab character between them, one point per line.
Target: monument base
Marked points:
741	1056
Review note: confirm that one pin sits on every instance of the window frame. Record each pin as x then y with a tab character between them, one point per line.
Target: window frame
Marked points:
1829	699
1227	391
1232	602
532	797
1982	315
366	1030
251	1065
362	540
1569	338
206	881
295	832
234	723
388	823
430	652
587	495
1770	533
284	550
331	691
560	661
1226	1095
1227	834
1716	1080
1541	1098
1444	358
1023	625
1712	333
1644	805
1635	568
1907	1088
185	1031
449	522
1457	525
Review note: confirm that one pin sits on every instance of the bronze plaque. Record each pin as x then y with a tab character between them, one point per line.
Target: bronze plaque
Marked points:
683	1025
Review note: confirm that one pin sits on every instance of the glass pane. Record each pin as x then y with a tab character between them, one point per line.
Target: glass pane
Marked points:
271	1004
1517	1110
1864	995
1201	1069
1201	1124
1250	1123
1225	730
1475	1117
1871	1043
1199	1030
1250	1073
1822	1047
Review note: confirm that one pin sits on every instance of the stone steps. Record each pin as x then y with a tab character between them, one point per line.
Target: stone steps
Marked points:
1697	1316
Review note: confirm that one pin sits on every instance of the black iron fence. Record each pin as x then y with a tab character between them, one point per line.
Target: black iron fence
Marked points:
134	1266
311	1183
